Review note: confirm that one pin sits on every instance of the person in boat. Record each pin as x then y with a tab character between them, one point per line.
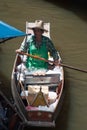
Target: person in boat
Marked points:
38	45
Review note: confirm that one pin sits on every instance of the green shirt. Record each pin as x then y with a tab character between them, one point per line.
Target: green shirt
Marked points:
41	50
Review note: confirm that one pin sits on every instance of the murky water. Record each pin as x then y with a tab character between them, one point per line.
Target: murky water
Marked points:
69	34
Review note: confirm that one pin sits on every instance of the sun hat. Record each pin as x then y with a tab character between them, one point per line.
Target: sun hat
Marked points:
38	24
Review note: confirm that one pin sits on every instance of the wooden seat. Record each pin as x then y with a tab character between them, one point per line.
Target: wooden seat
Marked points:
49	79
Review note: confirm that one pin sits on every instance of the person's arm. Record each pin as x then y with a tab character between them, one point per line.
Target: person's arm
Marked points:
23	46
53	52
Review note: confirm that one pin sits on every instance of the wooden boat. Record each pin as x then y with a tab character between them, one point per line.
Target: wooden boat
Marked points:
38	97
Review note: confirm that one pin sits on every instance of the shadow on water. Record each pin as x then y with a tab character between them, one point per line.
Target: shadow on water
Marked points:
79	7
5	85
4	82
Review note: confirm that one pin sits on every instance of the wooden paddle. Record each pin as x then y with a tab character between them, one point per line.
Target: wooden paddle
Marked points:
49	61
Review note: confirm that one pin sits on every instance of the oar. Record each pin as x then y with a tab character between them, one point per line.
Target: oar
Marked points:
74	68
49	61
36	57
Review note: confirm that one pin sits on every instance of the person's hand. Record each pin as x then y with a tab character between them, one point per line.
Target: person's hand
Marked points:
57	62
18	50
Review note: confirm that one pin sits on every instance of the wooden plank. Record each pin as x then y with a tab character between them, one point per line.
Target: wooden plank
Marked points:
48	79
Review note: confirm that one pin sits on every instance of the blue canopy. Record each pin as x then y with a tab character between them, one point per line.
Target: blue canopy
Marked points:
8	32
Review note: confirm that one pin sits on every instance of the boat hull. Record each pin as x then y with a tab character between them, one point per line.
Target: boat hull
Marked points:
34	117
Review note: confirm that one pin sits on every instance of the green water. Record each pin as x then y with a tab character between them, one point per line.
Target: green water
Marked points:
69	34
